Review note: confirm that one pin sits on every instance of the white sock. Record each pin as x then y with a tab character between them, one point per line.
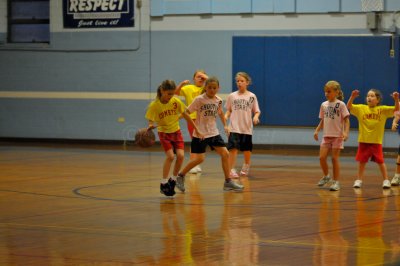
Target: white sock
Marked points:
164	181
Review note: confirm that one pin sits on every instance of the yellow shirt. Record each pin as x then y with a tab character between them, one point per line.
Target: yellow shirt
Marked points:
371	121
190	92
166	115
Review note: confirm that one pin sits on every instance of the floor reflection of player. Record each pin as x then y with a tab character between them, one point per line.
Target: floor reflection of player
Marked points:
174	237
196	224
370	245
395	244
241	242
331	248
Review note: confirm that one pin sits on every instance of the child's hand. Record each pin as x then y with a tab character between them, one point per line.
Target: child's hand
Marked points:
227	131
316	135
345	136
395	96
256	121
183	83
201	135
151	127
394	126
355	93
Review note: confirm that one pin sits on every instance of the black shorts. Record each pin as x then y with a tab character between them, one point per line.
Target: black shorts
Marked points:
242	142
199	146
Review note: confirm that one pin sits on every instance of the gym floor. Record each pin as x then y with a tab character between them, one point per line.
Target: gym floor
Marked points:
86	204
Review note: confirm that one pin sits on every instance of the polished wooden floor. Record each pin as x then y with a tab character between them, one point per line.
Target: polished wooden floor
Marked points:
100	205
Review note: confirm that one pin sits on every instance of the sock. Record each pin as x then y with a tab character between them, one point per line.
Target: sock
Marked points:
174	177
164	181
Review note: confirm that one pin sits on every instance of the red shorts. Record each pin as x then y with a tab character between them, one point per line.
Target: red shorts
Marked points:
369	150
171	140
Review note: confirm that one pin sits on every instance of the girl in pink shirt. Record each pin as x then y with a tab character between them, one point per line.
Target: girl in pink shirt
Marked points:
243	111
335	123
208	106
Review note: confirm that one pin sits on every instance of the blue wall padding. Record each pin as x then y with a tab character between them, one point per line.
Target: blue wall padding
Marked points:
289	72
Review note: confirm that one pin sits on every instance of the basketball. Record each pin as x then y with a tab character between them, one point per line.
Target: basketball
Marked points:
145	138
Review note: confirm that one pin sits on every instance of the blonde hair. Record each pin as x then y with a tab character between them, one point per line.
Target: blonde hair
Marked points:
336	87
244	75
199	71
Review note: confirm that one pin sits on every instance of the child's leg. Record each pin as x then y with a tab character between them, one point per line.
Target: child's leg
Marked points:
224	153
382	168
361	170
232	158
323	155
398	165
167	162
198	158
179	160
247	157
336	164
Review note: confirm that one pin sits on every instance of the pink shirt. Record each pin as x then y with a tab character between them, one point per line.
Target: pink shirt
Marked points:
242	107
333	114
207	111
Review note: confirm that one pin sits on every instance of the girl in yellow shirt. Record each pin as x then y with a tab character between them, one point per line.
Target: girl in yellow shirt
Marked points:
164	113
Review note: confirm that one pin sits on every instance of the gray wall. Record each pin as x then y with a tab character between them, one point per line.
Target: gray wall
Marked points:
58	93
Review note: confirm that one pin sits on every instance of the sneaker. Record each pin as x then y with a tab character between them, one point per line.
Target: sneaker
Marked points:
198	169
324	180
166	189
233	173
231	185
193	170
357	183
335	186
180	182
245	170
395	181
172	183
386	183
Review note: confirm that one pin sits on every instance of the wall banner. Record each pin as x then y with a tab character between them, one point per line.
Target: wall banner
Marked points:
98	13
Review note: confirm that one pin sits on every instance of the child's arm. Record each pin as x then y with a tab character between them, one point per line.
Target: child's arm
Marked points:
395	121
203	76
346	128
319	127
223	120
180	85
354	94
256	119
227	115
151	125
190	121
395	96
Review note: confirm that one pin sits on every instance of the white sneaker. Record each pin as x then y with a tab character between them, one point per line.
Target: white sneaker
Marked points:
395	181
335	186
386	183
231	185
324	180
193	170
198	169
357	183
245	170
233	173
